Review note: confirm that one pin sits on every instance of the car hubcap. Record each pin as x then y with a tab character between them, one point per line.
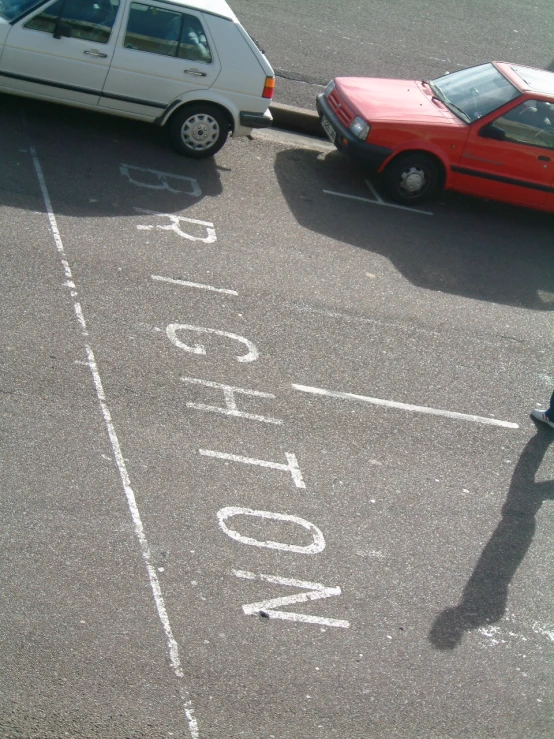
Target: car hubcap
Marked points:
413	181
200	132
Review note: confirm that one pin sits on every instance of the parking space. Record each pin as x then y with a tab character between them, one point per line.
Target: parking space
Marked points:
301	417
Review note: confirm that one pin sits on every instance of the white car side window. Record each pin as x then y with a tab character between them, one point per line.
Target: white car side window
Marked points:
165	32
12	9
89	20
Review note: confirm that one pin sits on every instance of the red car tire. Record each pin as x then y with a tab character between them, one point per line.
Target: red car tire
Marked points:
412	178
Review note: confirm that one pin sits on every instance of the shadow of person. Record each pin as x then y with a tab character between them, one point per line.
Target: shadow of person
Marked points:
486	593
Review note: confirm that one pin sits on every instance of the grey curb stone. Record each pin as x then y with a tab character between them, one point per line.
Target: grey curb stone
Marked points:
296	119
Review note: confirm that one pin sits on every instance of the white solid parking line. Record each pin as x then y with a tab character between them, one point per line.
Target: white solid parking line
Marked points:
373	191
405	406
171	643
199	285
378	202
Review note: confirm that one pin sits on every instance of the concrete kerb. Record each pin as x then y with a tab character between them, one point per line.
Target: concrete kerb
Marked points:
296	119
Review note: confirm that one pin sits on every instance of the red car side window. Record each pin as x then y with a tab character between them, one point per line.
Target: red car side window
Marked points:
530	123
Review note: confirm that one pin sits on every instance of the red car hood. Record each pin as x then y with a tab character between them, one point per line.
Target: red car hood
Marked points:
392	100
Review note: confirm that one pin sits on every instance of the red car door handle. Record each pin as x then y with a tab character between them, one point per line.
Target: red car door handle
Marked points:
542	158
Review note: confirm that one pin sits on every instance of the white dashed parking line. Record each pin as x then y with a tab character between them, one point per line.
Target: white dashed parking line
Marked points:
171	643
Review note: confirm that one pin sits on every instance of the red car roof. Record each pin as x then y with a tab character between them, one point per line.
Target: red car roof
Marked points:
528	79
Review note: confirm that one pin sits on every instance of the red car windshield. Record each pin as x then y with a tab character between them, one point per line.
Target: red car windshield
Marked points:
475	92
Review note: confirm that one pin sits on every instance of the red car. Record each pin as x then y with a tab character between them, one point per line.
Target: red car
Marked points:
485	131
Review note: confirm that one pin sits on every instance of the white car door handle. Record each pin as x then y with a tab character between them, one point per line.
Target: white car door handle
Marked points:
196	72
93	52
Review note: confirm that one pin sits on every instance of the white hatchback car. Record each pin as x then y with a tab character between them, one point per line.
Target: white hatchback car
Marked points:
185	64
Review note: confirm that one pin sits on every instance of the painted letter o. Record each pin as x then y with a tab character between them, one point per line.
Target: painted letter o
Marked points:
318	541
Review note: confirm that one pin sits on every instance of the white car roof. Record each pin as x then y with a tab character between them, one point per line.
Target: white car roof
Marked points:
215	7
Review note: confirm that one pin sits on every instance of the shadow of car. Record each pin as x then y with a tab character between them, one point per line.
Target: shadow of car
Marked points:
470	247
85	152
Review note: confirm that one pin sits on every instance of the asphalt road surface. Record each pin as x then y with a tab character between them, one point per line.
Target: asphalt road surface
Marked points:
267	464
310	42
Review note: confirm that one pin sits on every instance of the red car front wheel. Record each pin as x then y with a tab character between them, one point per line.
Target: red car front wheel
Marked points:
412	178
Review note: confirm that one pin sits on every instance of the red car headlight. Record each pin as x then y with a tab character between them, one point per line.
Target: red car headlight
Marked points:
360	128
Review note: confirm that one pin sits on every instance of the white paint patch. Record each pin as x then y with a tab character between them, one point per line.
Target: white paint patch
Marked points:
545	296
161	180
200	286
315	591
318	541
496	635
405	406
377	202
374	553
171	643
171	332
492	634
547	631
291	466
175	226
231	408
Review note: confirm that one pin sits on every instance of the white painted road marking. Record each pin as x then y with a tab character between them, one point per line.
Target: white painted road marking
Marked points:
171	332
162	177
374	192
316	591
231	408
175	226
291	467
405	406
377	202
200	286
171	643
318	541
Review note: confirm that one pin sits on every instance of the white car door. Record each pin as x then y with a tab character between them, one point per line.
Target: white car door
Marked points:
62	51
5	28
161	54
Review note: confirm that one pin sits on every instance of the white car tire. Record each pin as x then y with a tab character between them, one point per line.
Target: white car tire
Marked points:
199	130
